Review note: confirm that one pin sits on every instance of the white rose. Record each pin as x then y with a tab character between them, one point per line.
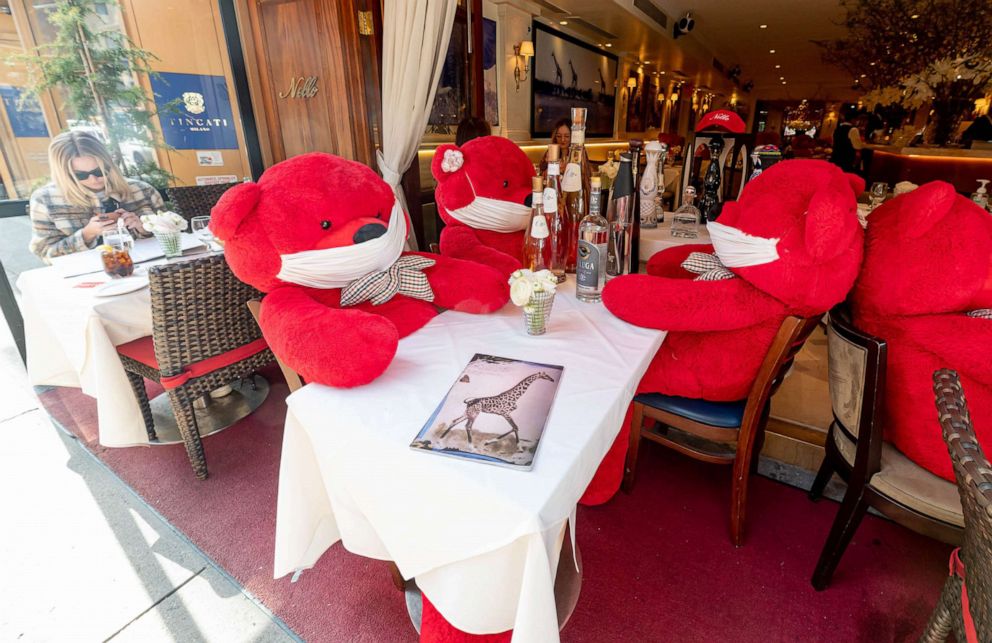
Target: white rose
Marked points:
520	291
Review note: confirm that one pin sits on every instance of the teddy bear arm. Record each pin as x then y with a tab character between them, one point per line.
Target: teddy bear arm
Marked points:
334	346
694	306
668	262
461	242
466	286
962	343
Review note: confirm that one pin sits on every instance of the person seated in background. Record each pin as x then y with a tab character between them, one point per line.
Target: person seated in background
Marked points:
86	197
979	130
561	135
847	142
471	127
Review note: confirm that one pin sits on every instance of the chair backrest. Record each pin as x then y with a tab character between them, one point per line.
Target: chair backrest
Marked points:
197	200
198	311
856	363
789	339
293	379
974	476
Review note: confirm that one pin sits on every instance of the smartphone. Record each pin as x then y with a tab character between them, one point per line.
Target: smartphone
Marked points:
110	205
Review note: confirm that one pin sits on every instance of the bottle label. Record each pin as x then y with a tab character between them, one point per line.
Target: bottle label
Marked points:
553	168
539	227
550	201
578	137
572	180
589	264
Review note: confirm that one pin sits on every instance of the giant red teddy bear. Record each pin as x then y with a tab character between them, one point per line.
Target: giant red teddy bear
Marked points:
791	245
926	288
483	195
317	233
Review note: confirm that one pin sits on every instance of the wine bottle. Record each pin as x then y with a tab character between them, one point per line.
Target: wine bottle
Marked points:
619	218
636	146
554	210
536	238
575	184
590	270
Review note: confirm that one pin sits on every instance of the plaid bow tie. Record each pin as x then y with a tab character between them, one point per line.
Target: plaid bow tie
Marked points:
707	266
404	277
981	313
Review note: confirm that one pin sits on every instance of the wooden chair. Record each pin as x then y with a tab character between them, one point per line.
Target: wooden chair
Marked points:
197	200
202	338
293	379
877	474
969	584
720	432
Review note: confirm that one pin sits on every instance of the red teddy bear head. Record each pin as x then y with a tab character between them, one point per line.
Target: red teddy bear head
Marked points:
928	251
809	207
488	167
309	202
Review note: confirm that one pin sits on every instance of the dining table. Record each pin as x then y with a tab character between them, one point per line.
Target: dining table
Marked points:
72	327
481	541
654	240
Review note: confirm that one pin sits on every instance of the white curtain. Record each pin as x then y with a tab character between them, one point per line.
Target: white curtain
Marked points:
415	35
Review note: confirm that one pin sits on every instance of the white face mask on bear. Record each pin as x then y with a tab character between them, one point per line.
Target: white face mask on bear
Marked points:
484	213
337	267
738	249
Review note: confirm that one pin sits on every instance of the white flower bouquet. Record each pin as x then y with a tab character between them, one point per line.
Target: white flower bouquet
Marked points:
535	293
164	222
166	226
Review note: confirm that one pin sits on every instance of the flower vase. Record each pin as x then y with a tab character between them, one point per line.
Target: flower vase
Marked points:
171	243
537	312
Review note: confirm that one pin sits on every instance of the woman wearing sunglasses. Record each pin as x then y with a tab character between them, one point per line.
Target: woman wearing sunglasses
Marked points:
86	197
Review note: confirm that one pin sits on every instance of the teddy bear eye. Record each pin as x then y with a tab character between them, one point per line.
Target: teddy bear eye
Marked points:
325	224
506	184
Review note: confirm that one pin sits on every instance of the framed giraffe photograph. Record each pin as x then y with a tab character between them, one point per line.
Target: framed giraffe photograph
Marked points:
569	73
495	412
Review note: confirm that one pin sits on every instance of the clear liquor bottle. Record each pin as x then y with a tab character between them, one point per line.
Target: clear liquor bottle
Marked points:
575	184
536	238
590	271
685	220
554	209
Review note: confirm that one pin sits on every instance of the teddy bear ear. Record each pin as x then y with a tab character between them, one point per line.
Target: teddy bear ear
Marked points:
924	207
448	161
232	209
857	183
831	221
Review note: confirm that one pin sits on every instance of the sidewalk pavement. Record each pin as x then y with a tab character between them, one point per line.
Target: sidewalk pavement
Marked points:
83	558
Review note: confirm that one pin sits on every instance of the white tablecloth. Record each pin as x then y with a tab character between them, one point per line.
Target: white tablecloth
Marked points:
481	540
657	239
71	336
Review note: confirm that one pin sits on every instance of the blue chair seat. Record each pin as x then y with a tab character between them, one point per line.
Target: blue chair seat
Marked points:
727	415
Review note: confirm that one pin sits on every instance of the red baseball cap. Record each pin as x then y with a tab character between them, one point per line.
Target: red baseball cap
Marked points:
721	119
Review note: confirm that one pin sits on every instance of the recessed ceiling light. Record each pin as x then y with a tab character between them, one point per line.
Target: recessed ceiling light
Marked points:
563	22
662	73
771	51
762	26
778	66
914	16
609	44
783	82
864	75
871	64
781	77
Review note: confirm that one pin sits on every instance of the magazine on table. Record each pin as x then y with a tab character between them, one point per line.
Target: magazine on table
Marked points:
495	412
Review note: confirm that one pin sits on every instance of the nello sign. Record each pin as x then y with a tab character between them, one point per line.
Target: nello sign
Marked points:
201	116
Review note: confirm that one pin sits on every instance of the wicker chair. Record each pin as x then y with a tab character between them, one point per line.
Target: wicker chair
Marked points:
720	432
197	200
203	337
877	474
293	379
965	605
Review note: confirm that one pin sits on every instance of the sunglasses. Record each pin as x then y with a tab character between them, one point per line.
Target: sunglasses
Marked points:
82	176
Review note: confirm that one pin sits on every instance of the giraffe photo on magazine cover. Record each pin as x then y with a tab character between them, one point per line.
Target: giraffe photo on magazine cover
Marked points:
495	412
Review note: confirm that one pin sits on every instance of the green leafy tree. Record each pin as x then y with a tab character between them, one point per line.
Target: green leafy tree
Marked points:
887	40
95	66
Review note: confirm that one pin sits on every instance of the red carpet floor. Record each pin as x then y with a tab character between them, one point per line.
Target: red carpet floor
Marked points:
658	564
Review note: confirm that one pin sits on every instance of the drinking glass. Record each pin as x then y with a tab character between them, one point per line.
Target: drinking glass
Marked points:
877	193
201	228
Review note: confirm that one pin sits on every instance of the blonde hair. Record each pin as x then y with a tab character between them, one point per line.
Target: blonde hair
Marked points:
70	145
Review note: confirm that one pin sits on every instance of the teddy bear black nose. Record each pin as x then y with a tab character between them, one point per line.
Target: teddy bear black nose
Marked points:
368	232
528	199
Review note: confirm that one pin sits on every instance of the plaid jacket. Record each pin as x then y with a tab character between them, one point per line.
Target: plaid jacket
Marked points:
57	224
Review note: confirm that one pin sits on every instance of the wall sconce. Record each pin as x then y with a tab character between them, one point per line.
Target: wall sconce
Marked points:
632	83
524	50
